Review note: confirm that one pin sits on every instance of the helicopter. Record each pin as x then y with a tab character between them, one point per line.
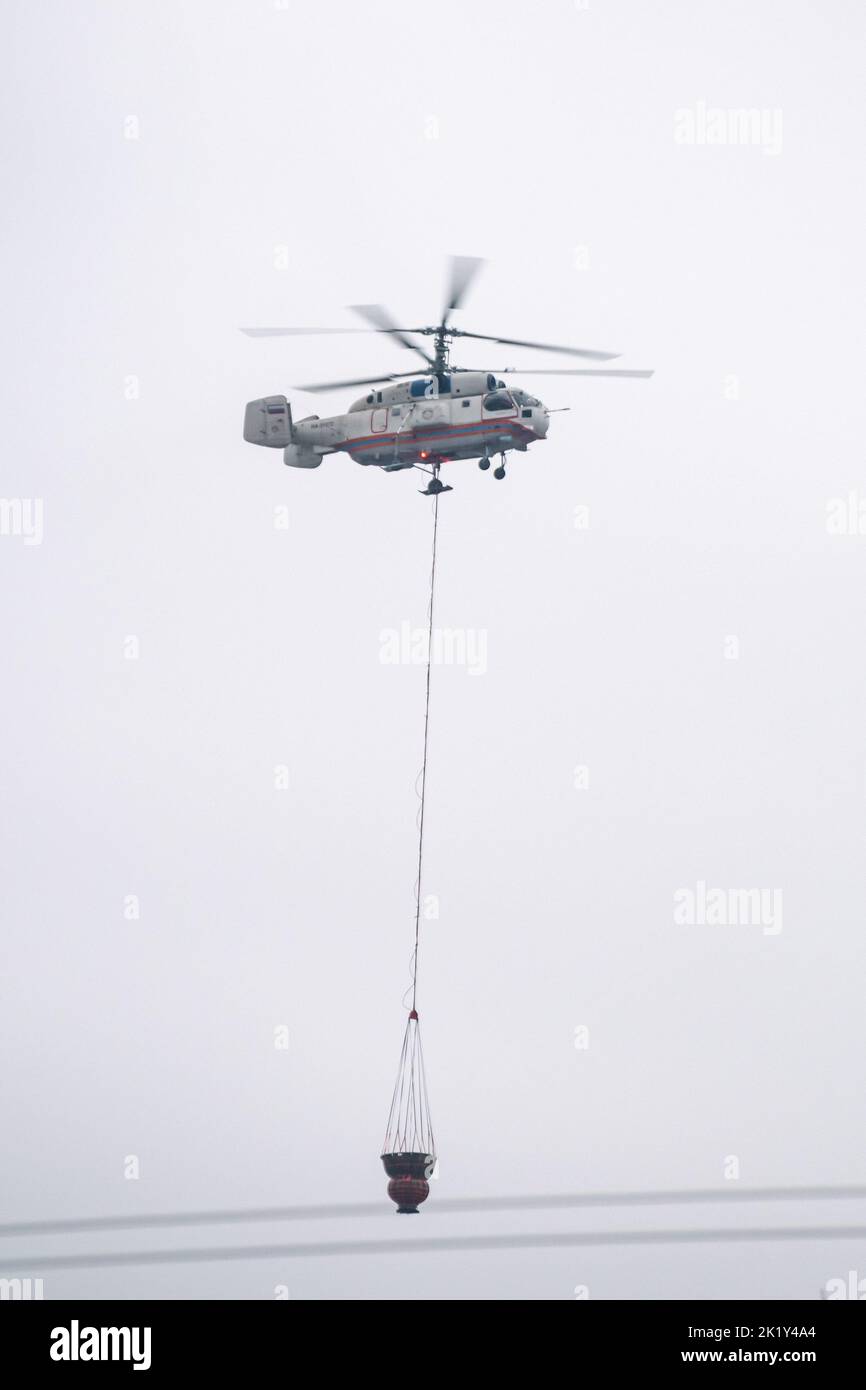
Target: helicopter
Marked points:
410	420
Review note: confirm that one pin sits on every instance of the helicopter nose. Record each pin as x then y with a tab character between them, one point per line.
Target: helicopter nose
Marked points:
540	420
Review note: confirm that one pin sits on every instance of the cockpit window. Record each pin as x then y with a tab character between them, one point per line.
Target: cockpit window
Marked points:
499	400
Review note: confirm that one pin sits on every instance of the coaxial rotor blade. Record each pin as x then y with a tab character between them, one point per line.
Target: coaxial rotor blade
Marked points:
572	371
398	333
354	381
591	353
463	271
378	316
297	332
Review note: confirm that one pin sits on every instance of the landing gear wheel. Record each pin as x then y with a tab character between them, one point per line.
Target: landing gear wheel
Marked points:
499	472
484	464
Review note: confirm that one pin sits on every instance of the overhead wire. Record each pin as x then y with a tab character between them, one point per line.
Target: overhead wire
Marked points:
555	1201
434	1245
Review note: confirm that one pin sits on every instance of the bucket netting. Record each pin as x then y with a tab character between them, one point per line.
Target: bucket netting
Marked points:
409	1128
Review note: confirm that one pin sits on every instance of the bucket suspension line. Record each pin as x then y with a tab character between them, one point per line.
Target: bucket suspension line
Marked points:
424	759
408	1153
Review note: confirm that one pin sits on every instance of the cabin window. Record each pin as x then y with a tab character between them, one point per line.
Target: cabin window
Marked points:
465	404
396	410
370	399
421	388
498	401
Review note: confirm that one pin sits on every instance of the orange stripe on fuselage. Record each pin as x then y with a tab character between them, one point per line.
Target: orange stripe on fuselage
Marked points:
367	441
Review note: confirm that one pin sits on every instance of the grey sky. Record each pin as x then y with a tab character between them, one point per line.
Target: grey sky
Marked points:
290	161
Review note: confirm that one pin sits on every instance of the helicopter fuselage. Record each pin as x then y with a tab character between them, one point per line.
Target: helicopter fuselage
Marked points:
430	420
416	422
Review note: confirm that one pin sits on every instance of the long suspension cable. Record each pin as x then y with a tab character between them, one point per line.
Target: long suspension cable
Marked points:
424	762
